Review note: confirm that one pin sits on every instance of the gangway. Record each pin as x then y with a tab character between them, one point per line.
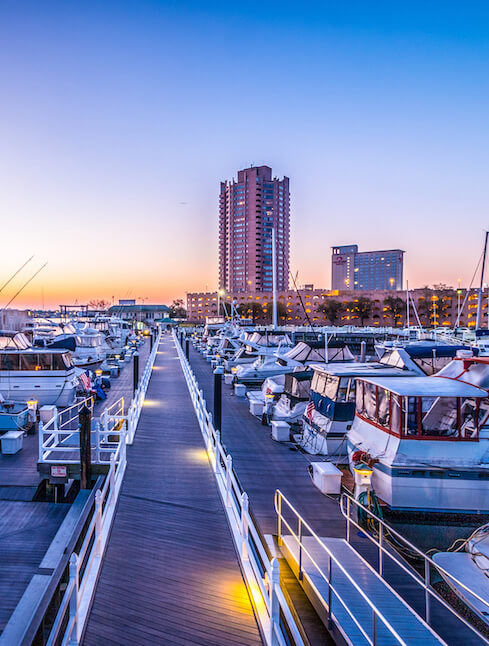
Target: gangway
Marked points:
347	592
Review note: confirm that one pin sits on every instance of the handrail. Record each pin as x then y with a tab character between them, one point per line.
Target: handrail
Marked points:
428	561
302	523
258	569
85	565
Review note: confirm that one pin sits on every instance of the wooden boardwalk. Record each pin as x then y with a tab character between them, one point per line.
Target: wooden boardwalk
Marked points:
170	574
263	465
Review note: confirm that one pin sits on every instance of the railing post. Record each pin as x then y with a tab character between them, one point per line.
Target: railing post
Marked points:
427	596
244	525
348	519
381	550
41	441
56	420
106	423
279	528
299	534
74	599
274	601
229	468
112	478
97	442
374	628
98	523
330	573
217	453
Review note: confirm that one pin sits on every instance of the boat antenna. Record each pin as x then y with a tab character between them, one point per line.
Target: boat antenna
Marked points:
481	286
15	274
23	287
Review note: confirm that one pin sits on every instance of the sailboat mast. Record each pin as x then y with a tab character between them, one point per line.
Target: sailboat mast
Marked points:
481	286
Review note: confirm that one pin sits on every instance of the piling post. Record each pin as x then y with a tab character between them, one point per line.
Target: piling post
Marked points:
85	422
218	372
135	372
187	348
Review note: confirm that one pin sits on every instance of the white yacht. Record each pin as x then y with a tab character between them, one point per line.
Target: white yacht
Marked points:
426	439
30	373
301	355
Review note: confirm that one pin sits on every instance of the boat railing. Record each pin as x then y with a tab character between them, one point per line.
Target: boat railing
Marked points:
349	505
262	574
368	627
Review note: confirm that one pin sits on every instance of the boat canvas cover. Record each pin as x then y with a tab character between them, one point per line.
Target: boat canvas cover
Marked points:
298	384
427	387
307	352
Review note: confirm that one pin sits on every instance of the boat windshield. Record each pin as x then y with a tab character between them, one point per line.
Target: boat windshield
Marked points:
85	341
428	418
14	341
339	389
33	361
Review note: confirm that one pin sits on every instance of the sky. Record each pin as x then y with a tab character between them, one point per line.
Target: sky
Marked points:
118	120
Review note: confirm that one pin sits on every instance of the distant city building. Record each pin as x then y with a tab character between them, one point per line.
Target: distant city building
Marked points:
149	314
355	270
435	308
127	301
248	209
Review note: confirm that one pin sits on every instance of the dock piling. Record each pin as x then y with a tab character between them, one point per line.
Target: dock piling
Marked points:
85	422
218	372
135	373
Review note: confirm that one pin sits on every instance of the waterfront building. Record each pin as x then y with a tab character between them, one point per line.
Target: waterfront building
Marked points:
354	270
436	308
248	210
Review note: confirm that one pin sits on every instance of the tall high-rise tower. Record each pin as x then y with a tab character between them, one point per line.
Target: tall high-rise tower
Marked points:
248	210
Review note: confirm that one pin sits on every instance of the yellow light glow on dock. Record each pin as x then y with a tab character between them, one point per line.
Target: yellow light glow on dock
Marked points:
151	403
198	455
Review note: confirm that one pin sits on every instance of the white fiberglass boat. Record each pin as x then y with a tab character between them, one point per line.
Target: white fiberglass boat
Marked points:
426	438
29	373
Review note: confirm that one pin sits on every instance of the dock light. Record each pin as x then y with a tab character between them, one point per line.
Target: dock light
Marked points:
32	404
363	478
117	357
234	369
269	395
98	373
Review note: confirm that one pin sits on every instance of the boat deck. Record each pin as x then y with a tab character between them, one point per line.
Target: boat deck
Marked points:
170	574
263	465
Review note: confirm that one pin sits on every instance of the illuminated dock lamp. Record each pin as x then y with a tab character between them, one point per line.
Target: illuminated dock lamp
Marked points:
32	407
267	408
363	478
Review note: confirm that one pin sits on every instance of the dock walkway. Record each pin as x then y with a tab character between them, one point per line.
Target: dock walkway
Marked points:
170	574
262	466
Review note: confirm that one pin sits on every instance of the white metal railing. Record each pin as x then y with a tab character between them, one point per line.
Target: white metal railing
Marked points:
262	574
383	529
377	618
85	565
60	435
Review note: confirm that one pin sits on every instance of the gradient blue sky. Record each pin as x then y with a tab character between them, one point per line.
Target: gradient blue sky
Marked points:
119	119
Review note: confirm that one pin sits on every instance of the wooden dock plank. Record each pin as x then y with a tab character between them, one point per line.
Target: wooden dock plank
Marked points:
170	574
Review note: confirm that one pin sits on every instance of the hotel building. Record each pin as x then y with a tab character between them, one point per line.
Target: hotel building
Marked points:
248	210
353	270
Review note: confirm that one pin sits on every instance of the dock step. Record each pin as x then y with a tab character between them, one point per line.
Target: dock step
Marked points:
350	611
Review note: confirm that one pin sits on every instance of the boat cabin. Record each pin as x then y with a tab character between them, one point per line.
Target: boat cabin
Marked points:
423	408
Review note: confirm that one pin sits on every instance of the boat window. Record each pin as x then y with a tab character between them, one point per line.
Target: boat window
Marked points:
439	417
44	361
9	361
359	399
383	405
318	381
58	363
330	388
396	413
410	412
346	390
29	362
370	402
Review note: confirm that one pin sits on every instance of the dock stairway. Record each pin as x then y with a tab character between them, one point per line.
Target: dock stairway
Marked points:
351	597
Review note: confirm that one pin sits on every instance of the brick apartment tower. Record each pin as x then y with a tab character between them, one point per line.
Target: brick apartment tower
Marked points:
248	209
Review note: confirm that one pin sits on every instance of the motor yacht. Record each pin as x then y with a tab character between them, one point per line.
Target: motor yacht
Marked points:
426	439
301	355
30	373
